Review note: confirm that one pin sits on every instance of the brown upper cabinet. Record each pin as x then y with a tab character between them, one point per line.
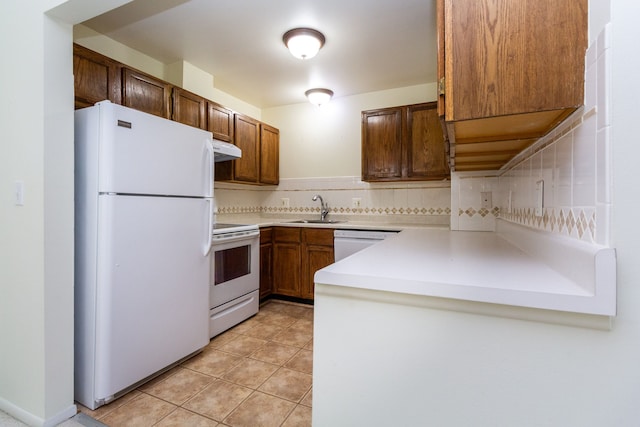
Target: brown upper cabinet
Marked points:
146	93
189	108
247	137
269	155
509	72
96	78
220	121
403	143
259	163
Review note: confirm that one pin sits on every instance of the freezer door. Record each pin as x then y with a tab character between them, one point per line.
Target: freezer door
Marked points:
152	287
143	154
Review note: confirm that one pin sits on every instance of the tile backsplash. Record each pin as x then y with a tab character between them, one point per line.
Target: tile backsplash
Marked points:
467	209
347	197
568	171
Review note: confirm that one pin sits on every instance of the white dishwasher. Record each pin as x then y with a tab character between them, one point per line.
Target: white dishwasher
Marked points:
348	242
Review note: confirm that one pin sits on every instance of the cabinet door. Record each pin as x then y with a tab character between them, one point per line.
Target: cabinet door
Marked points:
266	262
286	269
220	122
426	150
247	138
287	257
189	108
315	258
382	146
317	253
96	78
269	155
513	57
145	93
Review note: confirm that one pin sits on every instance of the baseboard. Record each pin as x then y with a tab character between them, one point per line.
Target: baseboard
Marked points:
34	420
286	298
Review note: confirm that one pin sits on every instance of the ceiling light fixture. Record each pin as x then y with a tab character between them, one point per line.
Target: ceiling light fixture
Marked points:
319	96
303	43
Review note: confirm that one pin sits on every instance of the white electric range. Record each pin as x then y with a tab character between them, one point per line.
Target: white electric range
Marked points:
234	293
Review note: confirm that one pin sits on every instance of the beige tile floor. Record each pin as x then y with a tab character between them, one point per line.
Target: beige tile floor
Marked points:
255	374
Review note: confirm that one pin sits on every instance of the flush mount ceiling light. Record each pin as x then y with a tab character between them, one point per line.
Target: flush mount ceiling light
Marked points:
319	96
303	43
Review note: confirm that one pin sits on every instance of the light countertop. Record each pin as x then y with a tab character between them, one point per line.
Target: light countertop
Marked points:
516	267
344	223
478	266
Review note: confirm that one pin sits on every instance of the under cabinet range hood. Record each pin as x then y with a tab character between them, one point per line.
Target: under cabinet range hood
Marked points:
224	151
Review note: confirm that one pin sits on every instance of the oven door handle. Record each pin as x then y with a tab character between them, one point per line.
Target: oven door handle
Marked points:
234	238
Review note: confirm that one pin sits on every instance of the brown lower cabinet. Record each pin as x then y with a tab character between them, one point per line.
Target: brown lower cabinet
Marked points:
317	253
297	253
266	262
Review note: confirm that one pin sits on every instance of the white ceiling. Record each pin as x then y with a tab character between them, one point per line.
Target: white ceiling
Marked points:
370	45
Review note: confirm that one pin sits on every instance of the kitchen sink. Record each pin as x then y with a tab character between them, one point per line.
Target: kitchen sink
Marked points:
315	221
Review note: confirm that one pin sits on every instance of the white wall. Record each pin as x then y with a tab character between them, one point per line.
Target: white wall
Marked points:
22	329
325	141
36	250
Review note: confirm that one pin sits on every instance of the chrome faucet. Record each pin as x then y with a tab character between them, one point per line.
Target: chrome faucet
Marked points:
324	210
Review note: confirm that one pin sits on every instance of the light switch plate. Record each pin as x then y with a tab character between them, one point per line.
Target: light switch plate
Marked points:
19	193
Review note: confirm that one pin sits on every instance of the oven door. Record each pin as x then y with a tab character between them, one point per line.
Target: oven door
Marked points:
235	267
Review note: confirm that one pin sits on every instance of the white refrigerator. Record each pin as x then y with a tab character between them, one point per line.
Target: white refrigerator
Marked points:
143	224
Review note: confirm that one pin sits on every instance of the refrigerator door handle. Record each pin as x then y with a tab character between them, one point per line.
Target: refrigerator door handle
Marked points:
211	154
207	248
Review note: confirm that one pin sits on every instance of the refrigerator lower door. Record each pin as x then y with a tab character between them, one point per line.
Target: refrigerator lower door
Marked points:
152	287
